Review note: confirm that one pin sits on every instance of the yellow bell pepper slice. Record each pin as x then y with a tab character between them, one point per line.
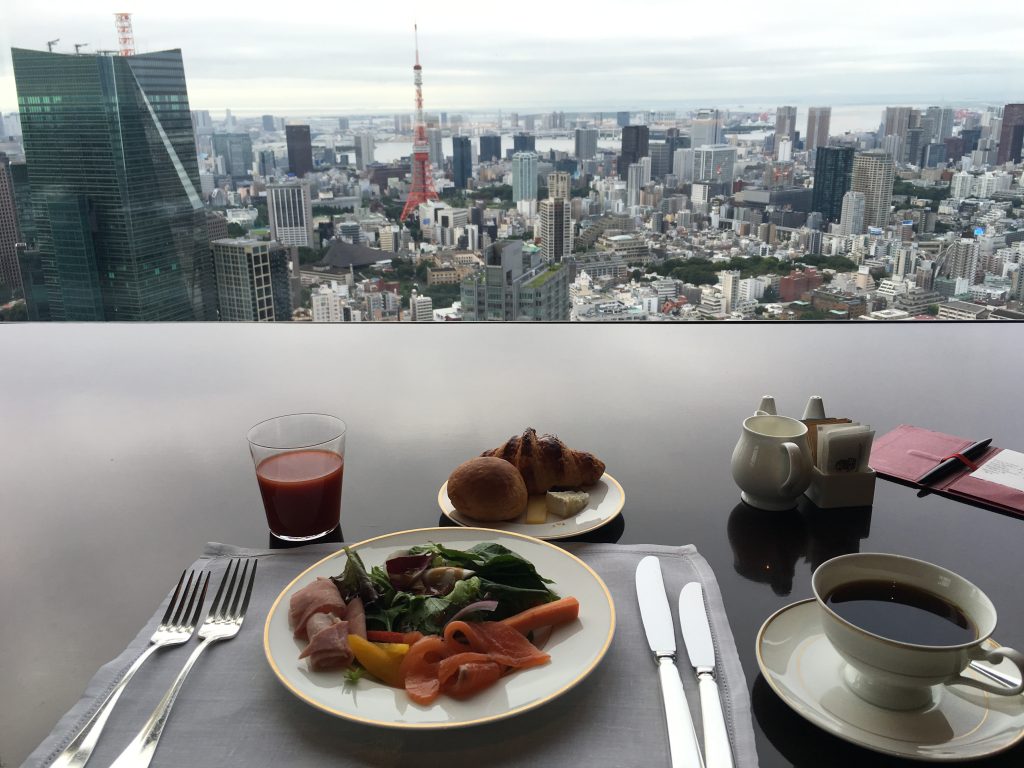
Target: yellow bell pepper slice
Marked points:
382	660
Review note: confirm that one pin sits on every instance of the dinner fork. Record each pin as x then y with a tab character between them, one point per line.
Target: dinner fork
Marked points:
175	628
222	623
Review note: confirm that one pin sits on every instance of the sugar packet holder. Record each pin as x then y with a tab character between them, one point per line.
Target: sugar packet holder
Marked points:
841	476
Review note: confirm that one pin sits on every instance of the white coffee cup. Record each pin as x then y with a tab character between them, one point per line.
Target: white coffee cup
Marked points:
899	675
772	461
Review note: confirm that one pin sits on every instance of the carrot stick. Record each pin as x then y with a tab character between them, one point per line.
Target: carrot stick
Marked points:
549	614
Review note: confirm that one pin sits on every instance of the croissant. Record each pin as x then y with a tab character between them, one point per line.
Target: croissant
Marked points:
545	462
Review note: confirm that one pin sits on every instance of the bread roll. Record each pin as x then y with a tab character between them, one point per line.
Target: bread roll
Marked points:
488	489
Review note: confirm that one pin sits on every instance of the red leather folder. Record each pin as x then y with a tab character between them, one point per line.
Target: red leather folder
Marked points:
907	453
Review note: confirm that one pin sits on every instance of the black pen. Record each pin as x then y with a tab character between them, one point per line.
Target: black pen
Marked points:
952	463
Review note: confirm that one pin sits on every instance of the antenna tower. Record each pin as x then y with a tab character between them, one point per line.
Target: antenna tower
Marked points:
125	36
422	180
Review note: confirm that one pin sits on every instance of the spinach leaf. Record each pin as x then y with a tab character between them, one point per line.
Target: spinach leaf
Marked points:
501	575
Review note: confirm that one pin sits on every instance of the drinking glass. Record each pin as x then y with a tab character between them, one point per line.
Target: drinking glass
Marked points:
300	461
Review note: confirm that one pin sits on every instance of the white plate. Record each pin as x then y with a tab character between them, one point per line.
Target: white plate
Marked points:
605	504
575	648
803	668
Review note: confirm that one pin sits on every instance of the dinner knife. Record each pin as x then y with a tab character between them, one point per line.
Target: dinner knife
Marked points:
693	619
661	637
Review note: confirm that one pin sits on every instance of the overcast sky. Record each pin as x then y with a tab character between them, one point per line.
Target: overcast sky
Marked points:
356	56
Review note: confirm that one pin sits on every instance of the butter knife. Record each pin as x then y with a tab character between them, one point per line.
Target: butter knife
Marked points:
693	618
661	637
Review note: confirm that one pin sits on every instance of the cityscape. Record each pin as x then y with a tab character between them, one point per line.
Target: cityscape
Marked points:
121	201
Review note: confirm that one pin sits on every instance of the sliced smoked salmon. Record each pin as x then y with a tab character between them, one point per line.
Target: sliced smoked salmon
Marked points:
419	669
500	642
466	674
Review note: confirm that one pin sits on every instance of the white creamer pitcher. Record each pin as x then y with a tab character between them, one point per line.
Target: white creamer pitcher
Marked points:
772	462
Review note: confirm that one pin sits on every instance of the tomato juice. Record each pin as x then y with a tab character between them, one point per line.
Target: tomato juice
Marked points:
301	492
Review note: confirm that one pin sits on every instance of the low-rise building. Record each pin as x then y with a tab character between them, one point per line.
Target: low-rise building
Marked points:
962	310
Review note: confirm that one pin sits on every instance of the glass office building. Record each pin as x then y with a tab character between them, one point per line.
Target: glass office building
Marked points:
114	179
833	169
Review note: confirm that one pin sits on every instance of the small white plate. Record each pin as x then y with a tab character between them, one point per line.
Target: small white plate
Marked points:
803	668
575	648
606	501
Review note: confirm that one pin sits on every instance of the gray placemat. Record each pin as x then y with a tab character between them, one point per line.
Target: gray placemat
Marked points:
233	712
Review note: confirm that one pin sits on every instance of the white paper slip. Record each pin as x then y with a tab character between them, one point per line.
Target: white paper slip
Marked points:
1005	468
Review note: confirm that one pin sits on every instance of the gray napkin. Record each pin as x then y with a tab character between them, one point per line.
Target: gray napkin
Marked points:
232	711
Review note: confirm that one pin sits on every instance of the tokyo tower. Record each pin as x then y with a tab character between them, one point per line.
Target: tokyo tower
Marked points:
422	181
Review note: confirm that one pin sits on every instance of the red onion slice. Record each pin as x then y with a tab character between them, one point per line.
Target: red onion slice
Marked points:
480	605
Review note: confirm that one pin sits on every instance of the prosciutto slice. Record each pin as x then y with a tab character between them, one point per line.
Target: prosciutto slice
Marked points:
356	616
328	645
319	597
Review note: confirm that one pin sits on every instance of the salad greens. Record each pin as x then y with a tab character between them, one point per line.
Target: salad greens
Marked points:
448	581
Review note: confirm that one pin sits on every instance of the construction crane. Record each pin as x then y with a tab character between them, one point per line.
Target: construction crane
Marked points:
51	43
125	35
80	46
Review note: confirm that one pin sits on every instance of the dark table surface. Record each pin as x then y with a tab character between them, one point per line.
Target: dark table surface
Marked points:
124	451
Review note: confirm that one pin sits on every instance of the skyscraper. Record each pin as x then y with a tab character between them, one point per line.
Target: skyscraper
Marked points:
267	163
634	180
622	119
851	221
290	209
462	160
556	218
705	128
819	121
784	149
940	121
436	149
660	155
268	123
364	150
559	185
785	123
962	260
120	224
635	141
300	149
913	145
896	121
524	176
682	164
490	148
873	175
252	280
1011	136
833	168
524	142
586	143
236	151
10	271
715	164
970	138
933	155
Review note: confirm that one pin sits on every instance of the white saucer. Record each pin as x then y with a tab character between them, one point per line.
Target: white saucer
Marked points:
801	666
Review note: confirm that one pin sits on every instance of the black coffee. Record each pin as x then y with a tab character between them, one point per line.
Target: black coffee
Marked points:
902	613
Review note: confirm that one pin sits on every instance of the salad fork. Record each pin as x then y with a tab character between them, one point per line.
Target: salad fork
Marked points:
222	623
176	627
